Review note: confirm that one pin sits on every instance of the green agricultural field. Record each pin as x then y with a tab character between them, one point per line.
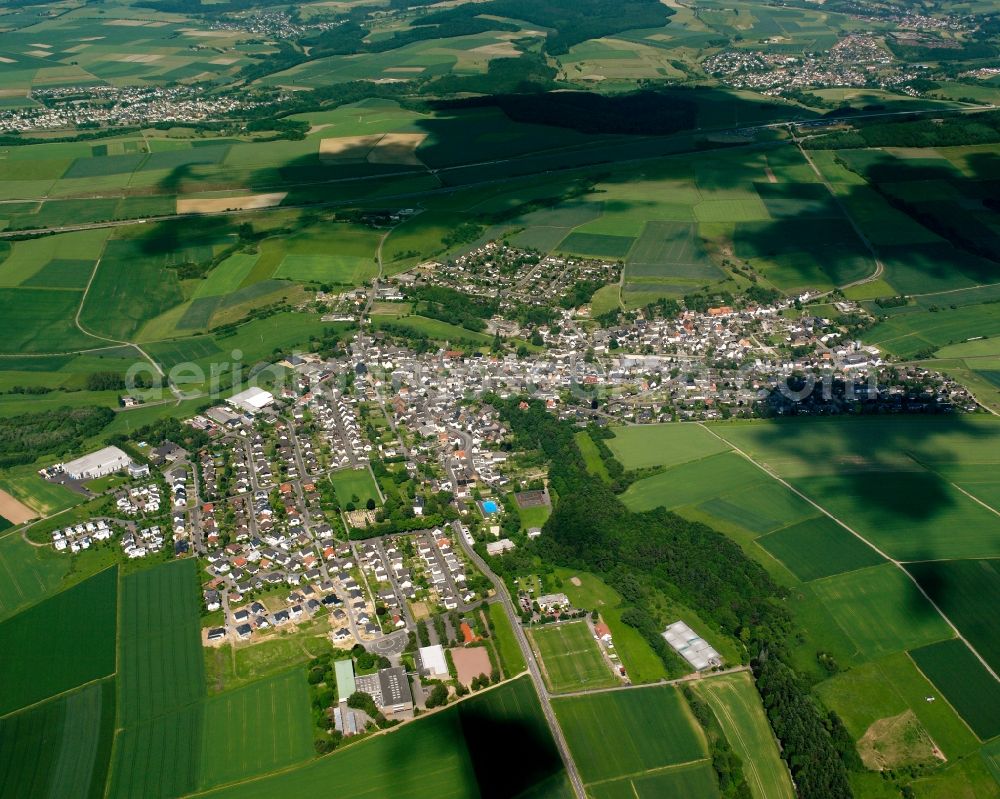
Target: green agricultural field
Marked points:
351	483
881	610
691	781
819	548
41	320
908	334
670	250
643	446
695	482
59	644
61	747
888	687
442	756
571	658
256	729
431	328
965	683
624	733
27	573
161	683
598	245
344	270
760	508
911	515
737	706
508	649
968	592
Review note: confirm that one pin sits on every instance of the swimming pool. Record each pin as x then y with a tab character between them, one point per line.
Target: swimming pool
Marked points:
489	506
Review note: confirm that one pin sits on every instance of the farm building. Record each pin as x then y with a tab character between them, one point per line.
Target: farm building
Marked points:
692	647
433	660
97	464
253	400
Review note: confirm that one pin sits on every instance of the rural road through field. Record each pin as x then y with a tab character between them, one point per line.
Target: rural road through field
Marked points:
529	657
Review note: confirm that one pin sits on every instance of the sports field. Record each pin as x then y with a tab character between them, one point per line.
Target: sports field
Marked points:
448	755
59	748
355	486
59	644
261	727
624	733
965	683
737	706
571	658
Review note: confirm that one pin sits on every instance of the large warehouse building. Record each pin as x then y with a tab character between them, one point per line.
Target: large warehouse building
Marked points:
97	464
691	646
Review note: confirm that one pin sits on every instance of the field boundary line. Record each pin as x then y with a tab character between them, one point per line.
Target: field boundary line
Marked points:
897	563
942	697
652	771
61	694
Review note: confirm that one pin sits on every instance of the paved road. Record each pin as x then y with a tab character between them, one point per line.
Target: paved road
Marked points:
529	657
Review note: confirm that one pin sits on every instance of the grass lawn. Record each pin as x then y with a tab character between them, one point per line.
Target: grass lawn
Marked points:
534	517
508	649
622	733
737	706
63	642
571	658
881	610
261	727
591	455
355	485
642	446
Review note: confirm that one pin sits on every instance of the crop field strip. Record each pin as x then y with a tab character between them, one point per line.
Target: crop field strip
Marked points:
571	657
447	755
627	732
161	683
59	644
736	704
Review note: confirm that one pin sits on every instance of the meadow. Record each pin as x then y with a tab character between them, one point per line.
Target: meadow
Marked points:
571	658
737	707
59	644
508	649
59	748
256	729
624	733
447	755
644	446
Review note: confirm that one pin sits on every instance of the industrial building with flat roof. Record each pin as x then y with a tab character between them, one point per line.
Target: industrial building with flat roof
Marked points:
692	647
433	661
253	400
391	691
97	464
